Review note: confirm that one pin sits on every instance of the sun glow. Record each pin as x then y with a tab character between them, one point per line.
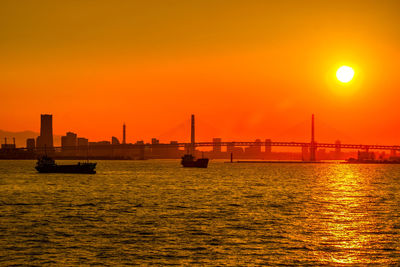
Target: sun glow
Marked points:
345	74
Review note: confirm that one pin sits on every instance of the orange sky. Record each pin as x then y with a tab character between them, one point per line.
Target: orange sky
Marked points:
247	69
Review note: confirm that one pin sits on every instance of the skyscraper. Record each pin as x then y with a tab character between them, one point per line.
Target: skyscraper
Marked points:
45	139
124	134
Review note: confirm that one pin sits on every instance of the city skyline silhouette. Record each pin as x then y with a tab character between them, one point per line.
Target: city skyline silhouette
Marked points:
74	146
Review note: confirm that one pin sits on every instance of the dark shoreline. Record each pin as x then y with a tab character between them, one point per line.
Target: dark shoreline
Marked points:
279	161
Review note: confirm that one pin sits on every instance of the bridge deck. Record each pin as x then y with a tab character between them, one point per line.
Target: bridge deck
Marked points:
238	144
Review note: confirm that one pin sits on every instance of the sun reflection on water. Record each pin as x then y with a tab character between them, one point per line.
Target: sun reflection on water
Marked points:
343	216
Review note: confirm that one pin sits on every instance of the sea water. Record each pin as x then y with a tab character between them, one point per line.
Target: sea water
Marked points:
157	213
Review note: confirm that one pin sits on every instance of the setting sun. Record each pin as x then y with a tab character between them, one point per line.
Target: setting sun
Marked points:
345	74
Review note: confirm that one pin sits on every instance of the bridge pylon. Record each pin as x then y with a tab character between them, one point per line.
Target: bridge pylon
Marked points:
192	136
312	144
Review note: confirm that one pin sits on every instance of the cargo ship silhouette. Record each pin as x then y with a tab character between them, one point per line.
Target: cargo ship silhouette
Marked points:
46	164
188	160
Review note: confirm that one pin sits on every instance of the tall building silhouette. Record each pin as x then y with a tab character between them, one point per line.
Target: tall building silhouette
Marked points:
69	141
124	134
45	139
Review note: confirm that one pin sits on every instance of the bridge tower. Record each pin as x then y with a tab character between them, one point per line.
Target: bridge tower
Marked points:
124	134
312	144
192	139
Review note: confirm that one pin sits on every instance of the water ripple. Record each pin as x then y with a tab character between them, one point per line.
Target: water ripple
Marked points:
156	213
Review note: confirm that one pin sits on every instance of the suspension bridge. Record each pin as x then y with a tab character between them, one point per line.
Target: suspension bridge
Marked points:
312	146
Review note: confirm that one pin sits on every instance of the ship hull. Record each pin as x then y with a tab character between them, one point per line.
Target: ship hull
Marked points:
83	168
199	163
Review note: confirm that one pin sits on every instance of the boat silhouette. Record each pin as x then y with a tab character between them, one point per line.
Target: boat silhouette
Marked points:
46	164
188	161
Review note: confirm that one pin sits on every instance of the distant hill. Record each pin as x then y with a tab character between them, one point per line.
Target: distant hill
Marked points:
20	137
